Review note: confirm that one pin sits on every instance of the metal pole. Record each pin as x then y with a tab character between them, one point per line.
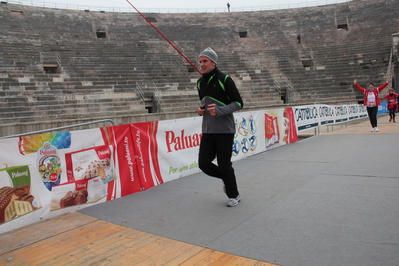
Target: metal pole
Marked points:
57	128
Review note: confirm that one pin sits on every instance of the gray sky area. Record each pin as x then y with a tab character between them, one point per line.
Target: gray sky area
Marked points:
176	6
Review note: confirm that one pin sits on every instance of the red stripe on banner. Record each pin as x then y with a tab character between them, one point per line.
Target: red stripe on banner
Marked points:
154	153
146	147
127	164
291	126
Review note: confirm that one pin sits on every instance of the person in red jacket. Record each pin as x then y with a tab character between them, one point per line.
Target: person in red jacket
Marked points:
372	101
392	103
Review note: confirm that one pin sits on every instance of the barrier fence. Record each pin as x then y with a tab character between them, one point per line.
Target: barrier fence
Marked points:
49	174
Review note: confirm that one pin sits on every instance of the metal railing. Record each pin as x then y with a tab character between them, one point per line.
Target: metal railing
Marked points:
289	85
140	93
390	70
277	86
50	57
157	99
305	52
109	8
58	128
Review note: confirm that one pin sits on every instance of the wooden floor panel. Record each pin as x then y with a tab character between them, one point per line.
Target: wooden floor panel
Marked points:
79	239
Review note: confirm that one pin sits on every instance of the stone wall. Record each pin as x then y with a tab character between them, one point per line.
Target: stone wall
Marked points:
61	67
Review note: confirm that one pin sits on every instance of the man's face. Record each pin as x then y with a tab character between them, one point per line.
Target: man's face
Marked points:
371	86
206	64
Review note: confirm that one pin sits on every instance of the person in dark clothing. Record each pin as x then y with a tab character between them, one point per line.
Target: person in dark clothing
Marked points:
219	100
299	38
228	6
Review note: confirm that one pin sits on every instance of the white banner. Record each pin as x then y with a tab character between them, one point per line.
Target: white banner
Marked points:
250	131
311	116
32	166
178	146
43	176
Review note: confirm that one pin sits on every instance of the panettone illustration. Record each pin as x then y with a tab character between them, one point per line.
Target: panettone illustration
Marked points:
95	168
74	198
15	202
101	173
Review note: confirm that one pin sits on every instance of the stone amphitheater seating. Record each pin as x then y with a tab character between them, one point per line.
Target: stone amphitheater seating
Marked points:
134	75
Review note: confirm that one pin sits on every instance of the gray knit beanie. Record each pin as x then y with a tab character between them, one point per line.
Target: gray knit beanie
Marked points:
208	52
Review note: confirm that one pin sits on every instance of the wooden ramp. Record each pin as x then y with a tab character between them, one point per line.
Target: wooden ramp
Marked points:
79	239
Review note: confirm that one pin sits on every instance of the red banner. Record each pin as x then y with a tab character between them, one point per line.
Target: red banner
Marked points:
129	178
144	137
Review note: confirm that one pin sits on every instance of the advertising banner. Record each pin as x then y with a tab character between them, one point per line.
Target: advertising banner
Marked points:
16	192
248	139
341	113
382	108
280	127
326	114
127	178
45	175
306	116
31	190
311	116
178	146
144	137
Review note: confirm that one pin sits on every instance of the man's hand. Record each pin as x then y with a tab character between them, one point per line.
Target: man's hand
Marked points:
355	81
212	109
201	110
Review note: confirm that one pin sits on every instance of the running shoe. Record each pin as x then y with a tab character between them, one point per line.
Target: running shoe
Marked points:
234	201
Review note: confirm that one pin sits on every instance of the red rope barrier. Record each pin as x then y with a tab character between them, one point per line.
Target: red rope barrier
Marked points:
166	39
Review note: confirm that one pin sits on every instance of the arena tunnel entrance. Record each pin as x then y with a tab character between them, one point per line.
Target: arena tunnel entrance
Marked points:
50	68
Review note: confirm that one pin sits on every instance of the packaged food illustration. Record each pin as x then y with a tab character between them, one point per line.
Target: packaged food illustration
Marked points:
16	196
77	193
67	195
90	163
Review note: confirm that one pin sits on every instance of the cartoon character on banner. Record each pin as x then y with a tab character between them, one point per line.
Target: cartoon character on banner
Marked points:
244	129
46	147
245	147
49	165
253	143
252	125
236	147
